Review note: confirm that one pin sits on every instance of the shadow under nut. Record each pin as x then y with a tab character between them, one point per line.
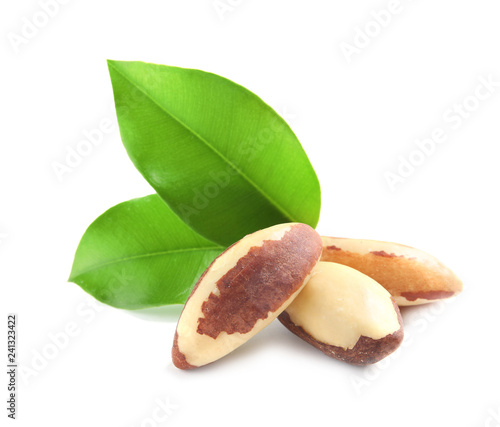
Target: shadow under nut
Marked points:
410	275
243	290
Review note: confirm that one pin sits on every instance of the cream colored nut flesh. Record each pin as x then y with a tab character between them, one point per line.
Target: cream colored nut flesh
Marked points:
243	290
346	315
410	275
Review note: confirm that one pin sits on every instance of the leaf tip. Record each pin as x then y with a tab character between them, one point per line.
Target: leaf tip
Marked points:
111	62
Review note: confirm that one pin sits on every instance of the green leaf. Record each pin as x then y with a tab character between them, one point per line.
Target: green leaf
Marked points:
222	159
140	254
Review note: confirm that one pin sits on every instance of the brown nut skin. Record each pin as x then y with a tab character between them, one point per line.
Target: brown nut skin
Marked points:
243	290
365	352
336	307
411	276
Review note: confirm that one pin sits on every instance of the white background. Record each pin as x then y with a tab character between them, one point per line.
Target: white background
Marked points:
354	119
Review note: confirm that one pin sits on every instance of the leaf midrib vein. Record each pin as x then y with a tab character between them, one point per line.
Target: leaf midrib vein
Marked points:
283	211
151	254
